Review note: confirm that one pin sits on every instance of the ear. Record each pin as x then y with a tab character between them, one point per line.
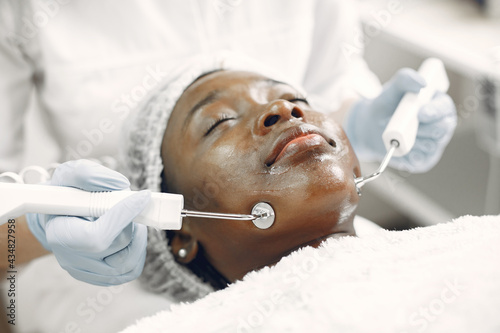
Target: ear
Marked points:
184	240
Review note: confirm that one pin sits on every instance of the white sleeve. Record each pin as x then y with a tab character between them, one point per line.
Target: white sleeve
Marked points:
15	86
336	69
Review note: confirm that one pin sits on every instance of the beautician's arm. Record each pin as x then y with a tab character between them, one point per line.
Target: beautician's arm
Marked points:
26	249
27	246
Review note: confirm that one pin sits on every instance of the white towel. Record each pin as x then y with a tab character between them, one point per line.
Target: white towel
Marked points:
443	278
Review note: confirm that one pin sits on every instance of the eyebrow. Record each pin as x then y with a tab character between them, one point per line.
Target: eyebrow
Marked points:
211	97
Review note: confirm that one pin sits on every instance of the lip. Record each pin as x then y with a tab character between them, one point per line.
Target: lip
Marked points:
296	139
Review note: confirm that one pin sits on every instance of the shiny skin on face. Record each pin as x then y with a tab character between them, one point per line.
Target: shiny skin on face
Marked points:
237	138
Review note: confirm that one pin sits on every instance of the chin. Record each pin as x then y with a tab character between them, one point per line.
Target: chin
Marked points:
319	215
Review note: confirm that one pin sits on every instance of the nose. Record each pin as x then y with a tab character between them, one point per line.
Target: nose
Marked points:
275	112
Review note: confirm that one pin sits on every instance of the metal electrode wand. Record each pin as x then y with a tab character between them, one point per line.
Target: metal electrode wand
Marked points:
401	132
165	210
262	215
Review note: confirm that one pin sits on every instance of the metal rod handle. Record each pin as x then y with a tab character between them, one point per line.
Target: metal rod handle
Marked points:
221	216
360	181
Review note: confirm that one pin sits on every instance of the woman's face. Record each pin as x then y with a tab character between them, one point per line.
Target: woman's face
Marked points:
237	138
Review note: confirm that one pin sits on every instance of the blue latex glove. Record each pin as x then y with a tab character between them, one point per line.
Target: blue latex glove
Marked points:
109	250
369	117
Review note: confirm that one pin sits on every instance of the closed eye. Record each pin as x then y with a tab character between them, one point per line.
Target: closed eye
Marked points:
295	100
216	123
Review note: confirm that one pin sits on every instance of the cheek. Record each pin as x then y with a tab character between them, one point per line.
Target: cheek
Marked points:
328	181
223	178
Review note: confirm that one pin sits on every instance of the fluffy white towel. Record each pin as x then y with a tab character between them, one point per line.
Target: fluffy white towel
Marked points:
443	278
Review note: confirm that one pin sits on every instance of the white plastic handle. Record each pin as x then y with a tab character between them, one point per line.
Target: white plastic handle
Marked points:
163	212
403	125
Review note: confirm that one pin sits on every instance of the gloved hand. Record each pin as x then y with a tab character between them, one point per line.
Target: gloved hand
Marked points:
109	250
368	118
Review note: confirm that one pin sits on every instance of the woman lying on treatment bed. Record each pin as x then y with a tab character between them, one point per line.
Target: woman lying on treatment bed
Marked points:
227	134
235	138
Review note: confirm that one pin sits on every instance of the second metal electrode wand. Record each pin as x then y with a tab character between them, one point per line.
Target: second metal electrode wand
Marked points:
400	134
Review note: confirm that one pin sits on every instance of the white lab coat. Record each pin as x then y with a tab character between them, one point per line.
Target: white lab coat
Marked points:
90	62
